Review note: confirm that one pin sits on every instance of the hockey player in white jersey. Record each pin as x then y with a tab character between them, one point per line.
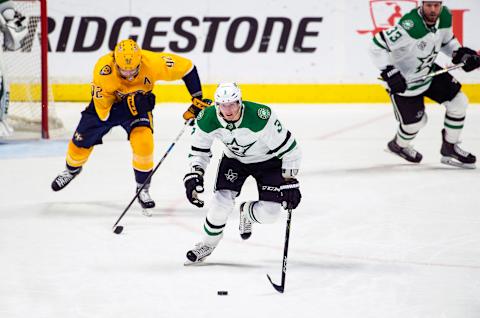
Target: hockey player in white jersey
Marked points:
14	29
257	145
407	51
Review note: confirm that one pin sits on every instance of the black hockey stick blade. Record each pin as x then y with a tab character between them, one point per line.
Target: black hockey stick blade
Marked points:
279	288
117	229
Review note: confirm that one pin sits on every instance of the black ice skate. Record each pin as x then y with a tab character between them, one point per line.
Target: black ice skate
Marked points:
64	178
453	155
145	201
199	253
245	225
407	153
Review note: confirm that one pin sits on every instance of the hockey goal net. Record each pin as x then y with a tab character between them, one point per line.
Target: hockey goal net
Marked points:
31	106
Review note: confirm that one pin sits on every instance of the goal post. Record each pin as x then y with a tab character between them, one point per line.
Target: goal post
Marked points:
44	70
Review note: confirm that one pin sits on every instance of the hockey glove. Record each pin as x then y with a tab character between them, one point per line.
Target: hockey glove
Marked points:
140	103
130	107
290	194
193	185
395	80
197	106
468	57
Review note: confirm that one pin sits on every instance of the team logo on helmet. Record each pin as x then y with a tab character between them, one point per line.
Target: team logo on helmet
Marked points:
386	13
263	113
106	70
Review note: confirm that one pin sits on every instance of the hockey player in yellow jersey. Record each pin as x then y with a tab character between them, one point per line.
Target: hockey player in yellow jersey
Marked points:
122	86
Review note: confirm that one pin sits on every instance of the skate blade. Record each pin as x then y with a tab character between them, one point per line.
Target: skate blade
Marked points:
399	156
455	163
190	263
146	212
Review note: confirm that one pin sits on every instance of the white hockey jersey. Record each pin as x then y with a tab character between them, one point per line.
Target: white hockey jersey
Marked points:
412	47
256	137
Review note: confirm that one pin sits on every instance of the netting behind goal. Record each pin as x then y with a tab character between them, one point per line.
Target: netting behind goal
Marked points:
23	72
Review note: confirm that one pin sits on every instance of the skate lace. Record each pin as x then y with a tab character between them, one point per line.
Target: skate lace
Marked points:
145	196
410	151
245	225
202	250
460	151
63	178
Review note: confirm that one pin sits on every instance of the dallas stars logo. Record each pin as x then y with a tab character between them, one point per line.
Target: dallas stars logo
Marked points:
427	62
231	176
237	149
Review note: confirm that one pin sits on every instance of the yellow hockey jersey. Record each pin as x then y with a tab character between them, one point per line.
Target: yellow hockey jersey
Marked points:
109	87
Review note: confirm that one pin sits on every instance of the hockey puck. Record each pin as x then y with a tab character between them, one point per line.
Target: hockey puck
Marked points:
118	229
222	293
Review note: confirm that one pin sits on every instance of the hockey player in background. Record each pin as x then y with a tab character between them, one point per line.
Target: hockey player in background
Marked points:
408	50
14	28
122	86
257	145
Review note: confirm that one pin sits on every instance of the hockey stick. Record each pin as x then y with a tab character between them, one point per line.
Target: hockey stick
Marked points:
117	229
424	77
443	70
281	288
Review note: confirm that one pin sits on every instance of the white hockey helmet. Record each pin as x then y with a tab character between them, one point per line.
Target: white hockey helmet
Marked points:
423	1
227	93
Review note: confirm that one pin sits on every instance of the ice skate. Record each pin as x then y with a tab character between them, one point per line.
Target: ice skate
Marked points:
453	155
245	225
199	253
407	153
145	201
64	178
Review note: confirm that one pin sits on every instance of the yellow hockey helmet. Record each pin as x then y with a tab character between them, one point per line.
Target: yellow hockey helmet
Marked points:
128	55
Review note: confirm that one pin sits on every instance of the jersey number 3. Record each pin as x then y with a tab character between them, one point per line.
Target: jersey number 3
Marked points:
278	125
393	34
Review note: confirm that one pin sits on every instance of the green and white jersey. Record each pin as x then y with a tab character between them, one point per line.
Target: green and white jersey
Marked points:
412	47
256	137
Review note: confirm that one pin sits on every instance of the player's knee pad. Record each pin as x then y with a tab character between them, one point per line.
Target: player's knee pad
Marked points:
77	156
221	206
415	127
457	107
141	140
266	211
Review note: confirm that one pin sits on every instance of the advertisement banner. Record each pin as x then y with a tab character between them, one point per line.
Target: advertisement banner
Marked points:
270	42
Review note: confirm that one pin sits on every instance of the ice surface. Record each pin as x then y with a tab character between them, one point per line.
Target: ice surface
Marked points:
373	237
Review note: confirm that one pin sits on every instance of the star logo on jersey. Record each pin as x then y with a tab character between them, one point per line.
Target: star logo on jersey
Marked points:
408	24
231	176
427	62
237	149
